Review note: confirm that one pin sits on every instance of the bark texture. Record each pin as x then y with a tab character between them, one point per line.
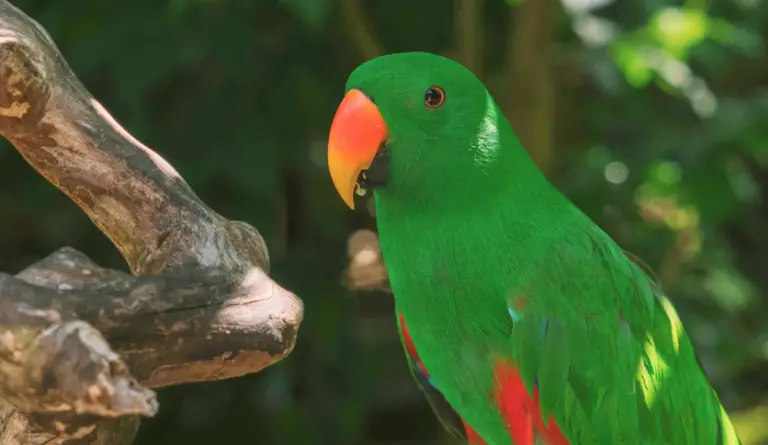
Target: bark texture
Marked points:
81	345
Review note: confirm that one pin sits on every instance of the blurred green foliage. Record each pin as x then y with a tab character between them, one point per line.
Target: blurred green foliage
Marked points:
660	125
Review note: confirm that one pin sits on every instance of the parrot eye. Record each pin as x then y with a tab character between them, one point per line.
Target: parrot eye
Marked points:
434	97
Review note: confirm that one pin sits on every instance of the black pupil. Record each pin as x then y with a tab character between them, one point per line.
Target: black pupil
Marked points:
433	97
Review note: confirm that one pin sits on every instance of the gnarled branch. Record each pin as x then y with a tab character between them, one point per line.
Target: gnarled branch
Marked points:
198	307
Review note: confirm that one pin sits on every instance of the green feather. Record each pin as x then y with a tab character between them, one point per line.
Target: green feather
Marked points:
445	414
527	349
554	368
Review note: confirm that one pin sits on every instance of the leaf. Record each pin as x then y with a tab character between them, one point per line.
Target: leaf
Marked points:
679	30
629	58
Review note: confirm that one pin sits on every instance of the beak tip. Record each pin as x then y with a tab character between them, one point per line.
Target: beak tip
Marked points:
343	177
349	201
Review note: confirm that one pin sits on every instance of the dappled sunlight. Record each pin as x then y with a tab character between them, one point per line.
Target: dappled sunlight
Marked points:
651	372
675	326
751	425
729	433
662	48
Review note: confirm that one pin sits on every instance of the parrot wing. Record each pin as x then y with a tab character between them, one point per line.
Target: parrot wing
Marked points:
445	413
604	354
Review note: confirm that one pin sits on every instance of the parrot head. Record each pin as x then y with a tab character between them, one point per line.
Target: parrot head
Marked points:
414	126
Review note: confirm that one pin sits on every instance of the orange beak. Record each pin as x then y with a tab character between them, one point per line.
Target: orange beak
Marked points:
357	132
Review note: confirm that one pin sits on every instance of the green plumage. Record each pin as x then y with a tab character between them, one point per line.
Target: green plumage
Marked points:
470	228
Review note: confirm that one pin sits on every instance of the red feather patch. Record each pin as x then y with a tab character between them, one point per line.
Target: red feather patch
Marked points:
521	411
411	348
472	437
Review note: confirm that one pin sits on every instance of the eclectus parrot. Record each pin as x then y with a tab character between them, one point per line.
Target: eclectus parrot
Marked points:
526	323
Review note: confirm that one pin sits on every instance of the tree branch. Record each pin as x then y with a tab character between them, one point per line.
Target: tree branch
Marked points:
202	309
51	369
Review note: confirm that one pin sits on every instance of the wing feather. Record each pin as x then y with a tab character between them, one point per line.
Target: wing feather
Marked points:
614	364
444	412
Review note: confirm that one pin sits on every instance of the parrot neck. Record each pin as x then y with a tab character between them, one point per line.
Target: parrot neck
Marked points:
504	183
512	211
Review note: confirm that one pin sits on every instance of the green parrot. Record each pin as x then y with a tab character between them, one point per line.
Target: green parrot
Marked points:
526	323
